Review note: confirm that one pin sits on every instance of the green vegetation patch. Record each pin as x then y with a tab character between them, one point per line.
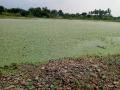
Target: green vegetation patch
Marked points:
39	40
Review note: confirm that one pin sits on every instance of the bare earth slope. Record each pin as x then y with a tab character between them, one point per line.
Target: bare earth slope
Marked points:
68	74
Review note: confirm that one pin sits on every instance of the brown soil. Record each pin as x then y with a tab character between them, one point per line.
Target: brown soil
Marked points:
67	74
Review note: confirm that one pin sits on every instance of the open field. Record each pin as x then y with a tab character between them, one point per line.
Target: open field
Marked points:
38	40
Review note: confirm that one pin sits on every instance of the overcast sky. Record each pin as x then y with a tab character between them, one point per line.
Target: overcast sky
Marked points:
71	6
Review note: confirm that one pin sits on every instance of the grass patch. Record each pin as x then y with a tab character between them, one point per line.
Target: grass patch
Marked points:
39	40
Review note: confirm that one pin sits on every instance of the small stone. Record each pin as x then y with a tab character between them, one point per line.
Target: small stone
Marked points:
43	68
110	86
10	87
65	67
23	83
98	70
91	61
103	77
93	75
36	78
115	83
29	80
96	66
64	70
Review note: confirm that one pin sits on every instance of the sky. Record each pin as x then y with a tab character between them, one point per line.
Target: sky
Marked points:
69	6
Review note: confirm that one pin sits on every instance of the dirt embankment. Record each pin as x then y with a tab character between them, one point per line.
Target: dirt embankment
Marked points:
67	74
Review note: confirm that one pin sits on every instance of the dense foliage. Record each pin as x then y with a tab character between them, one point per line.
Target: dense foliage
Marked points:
47	13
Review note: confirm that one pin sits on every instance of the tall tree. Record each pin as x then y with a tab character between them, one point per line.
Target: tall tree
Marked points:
35	12
54	13
60	13
84	14
24	13
109	11
1	9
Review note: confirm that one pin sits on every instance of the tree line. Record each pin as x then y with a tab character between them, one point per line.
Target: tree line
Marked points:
44	12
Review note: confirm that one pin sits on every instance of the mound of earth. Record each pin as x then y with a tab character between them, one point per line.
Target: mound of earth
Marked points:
67	74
